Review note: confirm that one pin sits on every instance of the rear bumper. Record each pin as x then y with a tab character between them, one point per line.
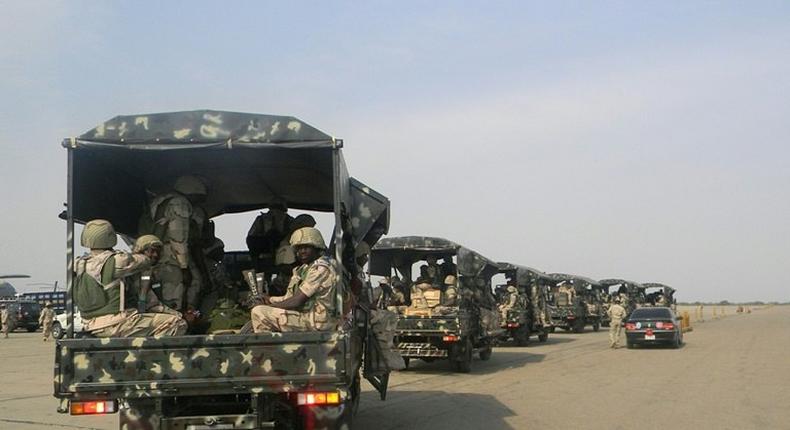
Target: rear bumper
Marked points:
638	336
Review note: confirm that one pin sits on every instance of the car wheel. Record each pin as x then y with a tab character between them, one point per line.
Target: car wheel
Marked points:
57	331
485	353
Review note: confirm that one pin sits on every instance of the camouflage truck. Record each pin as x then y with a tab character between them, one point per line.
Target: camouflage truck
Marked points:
238	381
575	302
658	294
530	315
631	294
442	329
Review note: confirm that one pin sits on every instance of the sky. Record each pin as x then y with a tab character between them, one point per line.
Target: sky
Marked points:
646	141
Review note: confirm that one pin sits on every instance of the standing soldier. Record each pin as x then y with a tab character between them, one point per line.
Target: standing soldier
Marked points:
4	319
616	314
101	293
46	319
178	220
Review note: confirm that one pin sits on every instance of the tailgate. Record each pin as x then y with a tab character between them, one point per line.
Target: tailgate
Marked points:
184	365
418	325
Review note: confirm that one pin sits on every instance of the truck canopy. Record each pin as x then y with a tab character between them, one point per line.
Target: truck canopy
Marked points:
404	251
578	281
248	161
631	286
525	276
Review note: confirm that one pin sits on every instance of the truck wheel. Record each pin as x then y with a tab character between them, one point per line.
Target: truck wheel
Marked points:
629	345
543	336
521	336
462	359
57	331
578	326
596	326
405	363
485	353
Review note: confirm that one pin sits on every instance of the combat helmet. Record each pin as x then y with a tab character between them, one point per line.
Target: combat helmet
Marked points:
98	234
145	241
190	185
308	236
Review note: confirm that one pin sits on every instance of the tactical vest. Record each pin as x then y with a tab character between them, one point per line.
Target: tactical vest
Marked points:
95	299
309	305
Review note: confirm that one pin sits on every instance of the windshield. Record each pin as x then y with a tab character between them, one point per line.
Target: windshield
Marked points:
651	313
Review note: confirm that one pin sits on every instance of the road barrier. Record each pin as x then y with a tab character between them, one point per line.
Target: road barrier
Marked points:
685	322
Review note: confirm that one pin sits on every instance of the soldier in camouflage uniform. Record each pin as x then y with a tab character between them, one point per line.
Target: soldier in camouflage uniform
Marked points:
101	293
147	301
309	303
178	220
616	313
510	303
46	319
5	319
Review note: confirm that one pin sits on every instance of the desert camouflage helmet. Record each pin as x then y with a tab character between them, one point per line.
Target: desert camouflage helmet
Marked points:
190	185
145	241
98	234
308	236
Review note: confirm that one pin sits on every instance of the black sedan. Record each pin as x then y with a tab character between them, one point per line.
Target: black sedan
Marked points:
652	326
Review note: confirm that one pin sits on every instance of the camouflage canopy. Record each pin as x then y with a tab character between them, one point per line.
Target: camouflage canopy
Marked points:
630	285
577	280
524	275
666	288
406	250
247	162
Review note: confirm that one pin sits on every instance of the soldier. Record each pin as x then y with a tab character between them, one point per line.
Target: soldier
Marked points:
266	234
512	298
147	301
309	303
100	288
430	272
46	318
5	319
178	220
284	265
616	314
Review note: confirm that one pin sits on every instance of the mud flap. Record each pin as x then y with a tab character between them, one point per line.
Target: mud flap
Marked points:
375	368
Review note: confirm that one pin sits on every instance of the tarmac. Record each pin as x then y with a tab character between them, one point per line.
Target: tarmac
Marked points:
732	373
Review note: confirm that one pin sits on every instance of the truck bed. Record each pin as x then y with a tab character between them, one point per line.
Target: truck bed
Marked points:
191	365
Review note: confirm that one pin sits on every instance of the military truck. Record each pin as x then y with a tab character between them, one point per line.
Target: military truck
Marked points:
530	315
438	328
575	302
631	294
243	381
658	294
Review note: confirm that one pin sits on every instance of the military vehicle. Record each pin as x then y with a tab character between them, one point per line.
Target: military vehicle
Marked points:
24	313
280	380
530	314
658	294
632	294
436	325
575	302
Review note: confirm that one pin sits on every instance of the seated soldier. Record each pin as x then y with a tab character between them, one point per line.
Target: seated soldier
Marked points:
448	268
450	294
430	272
141	286
510	303
309	303
102	293
265	234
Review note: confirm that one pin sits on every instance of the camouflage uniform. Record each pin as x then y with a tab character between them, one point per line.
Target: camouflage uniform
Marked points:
179	225
5	320
512	299
318	281
616	313
46	319
101	293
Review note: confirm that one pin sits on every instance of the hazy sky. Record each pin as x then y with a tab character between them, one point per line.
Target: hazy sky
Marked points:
647	141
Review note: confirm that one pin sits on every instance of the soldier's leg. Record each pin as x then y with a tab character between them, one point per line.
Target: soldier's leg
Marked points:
612	340
267	318
194	288
47	330
151	324
172	285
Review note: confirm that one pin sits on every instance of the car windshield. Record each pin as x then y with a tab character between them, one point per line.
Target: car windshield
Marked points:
651	313
31	307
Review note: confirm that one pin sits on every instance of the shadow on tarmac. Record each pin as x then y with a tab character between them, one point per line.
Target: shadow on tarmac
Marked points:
502	358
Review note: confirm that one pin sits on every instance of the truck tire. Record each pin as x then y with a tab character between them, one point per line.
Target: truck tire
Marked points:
462	358
596	326
578	326
57	331
32	329
543	336
521	336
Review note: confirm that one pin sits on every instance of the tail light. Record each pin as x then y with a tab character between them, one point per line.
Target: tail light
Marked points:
320	398
512	325
450	338
93	408
630	326
665	325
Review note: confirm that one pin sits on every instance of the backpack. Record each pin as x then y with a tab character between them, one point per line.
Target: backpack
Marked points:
89	294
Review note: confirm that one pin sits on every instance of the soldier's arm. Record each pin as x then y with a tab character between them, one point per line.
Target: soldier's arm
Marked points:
316	277
129	264
177	213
